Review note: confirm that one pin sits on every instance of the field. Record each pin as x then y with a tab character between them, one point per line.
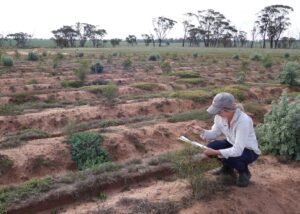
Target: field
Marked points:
139	105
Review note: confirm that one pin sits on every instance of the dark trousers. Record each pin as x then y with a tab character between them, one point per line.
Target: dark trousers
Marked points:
239	163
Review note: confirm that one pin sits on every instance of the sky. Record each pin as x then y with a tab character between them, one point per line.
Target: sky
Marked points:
123	17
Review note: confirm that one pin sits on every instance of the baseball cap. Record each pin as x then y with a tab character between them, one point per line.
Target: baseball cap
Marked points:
222	101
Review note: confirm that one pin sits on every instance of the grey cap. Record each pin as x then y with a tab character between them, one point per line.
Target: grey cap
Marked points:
222	101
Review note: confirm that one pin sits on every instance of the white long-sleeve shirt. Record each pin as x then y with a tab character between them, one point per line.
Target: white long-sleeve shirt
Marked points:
240	134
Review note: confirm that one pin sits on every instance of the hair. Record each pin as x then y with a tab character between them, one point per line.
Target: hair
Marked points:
236	106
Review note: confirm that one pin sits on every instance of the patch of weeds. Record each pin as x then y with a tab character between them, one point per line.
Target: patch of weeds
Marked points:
153	162
71	83
193	81
32	56
101	196
154	57
97	68
135	162
86	149
11	195
286	55
7	61
23	97
267	61
195	55
127	64
166	66
256	109
10	109
109	91
19	138
185	74
236	57
195	95
256	57
239	91
147	86
6	164
192	115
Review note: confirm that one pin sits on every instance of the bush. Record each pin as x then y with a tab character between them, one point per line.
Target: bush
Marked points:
71	83
23	97
109	91
236	56
81	71
280	132
256	57
5	164
97	68
195	55
147	86
267	62
290	73
186	74
165	66
33	56
286	55
80	54
127	64
86	149
154	57
7	61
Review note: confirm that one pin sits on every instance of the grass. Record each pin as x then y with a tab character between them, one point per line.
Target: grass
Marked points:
194	81
6	164
185	74
21	137
191	115
147	86
109	91
197	95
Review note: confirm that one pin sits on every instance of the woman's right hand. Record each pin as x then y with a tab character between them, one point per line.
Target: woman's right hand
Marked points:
196	129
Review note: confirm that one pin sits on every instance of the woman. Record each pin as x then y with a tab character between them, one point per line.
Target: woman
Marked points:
240	148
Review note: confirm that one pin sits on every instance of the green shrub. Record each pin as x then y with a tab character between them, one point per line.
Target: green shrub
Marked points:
7	61
80	54
195	55
189	81
127	64
154	57
195	95
166	66
280	132
290	73
23	97
58	56
236	56
148	86
185	74
286	55
82	71
267	61
86	149
5	164
33	56
256	57
191	115
32	82
71	83
109	91
97	68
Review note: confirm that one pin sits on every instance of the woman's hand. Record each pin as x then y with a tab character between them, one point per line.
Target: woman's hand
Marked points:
211	152
195	128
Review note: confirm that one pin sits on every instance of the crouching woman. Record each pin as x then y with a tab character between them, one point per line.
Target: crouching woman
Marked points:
240	148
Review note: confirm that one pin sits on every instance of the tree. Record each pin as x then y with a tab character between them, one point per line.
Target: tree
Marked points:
162	26
65	36
214	27
131	40
253	35
272	22
115	42
186	27
147	39
20	38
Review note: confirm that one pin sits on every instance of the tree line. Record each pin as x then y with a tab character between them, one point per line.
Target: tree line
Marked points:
208	28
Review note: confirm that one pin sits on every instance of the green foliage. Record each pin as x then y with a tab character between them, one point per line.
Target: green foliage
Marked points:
286	55
58	56
71	83
127	64
185	74
189	81
97	68
195	55
5	164
154	57
22	97
267	61
148	86
7	61
195	95
109	91
12	195
79	54
280	132
82	71
86	149
166	66
191	115
32	56
236	56
290	73
256	57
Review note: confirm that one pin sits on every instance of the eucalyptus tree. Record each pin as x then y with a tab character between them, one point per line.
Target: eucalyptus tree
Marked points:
187	26
65	36
147	39
272	21
162	26
131	40
21	38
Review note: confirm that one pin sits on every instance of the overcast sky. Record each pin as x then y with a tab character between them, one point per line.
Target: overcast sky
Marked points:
123	17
